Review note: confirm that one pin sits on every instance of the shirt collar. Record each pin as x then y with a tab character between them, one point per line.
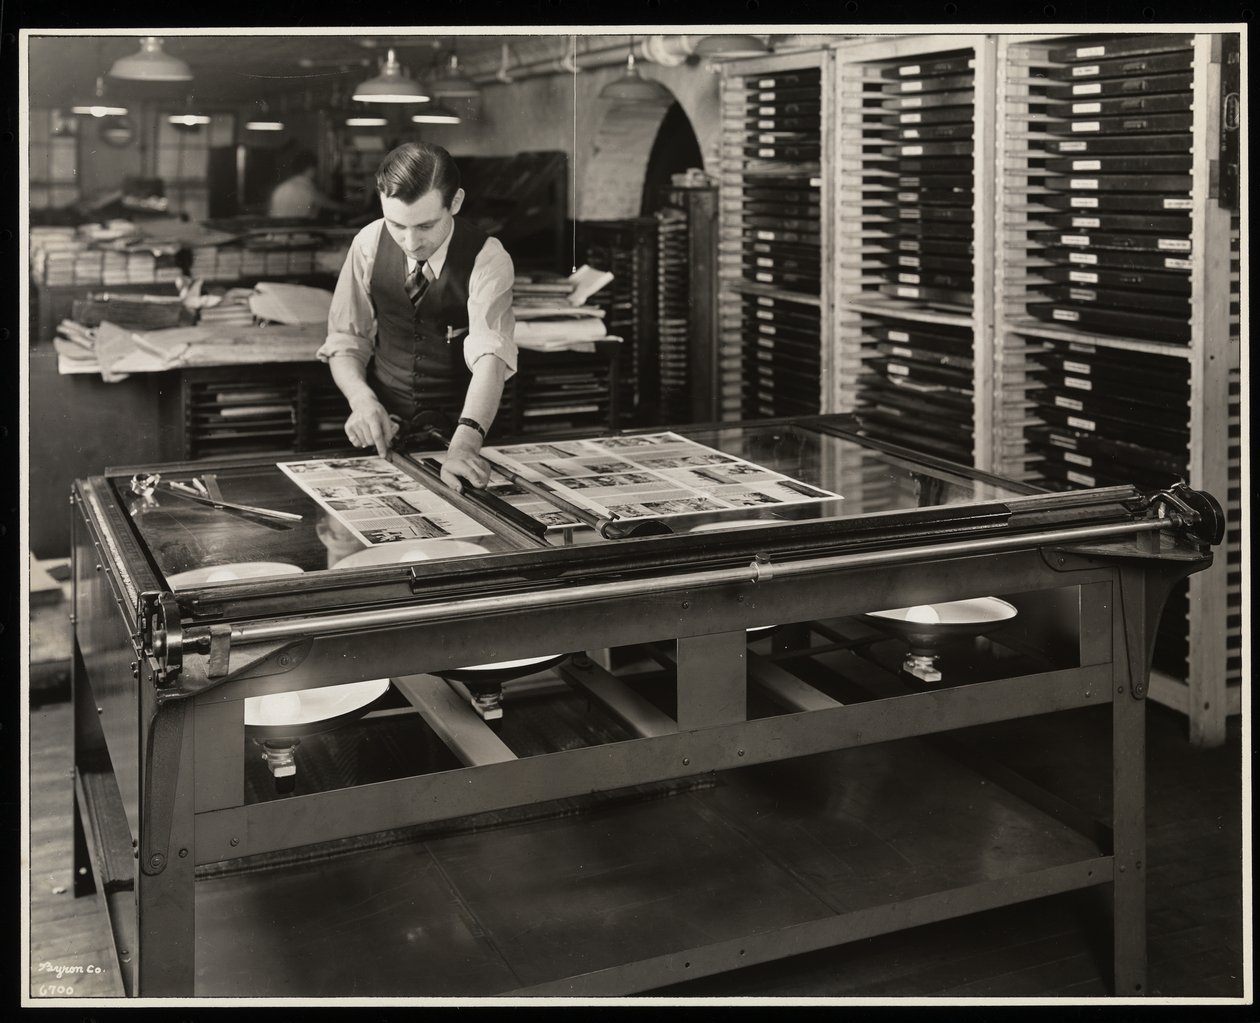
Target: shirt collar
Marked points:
438	259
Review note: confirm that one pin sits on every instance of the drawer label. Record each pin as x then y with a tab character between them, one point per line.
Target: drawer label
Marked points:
1084	182
1068	315
1084	202
1178	204
765	236
1081	424
908	292
1174	244
898	371
909	118
1078	384
1082	257
908	69
1086	108
905	353
1085	221
1081	478
1091	51
1086	165
1084	70
912	87
1077	459
911	150
907	278
1073	147
762	300
1082	277
912	101
1177	264
1087	89
1074	239
1068	403
1076	367
899	335
1085	125
767	278
1082	346
765	152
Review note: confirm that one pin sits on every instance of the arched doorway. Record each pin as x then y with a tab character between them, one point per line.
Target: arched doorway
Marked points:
675	150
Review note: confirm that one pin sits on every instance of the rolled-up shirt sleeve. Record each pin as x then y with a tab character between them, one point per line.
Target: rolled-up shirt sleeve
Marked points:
491	325
351	317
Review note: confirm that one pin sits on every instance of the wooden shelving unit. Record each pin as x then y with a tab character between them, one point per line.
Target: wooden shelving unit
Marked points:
1023	321
1173	128
775	240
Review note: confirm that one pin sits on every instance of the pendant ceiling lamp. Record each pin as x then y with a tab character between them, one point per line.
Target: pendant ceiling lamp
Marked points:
632	87
454	84
98	105
189	118
264	121
728	47
391	86
436	113
362	116
151	64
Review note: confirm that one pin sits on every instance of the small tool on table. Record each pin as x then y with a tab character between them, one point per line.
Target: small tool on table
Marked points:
146	485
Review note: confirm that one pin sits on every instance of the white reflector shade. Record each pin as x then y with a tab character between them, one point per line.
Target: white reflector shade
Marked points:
151	64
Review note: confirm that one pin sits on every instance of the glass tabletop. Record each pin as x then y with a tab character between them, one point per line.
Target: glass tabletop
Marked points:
361	512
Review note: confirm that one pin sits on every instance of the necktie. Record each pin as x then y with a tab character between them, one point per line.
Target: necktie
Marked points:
418	282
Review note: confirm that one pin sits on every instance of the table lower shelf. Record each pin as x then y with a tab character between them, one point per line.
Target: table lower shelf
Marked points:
770	861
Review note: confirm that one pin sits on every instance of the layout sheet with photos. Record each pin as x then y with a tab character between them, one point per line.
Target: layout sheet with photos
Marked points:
645	476
377	502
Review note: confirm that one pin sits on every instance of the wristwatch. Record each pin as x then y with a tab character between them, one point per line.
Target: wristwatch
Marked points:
465	421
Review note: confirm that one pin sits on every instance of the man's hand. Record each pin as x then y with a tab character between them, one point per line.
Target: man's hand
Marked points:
464	462
369	423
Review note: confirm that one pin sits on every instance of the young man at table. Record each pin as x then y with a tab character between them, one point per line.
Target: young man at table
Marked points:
421	319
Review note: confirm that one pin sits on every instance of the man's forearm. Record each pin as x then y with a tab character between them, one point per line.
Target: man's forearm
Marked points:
485	391
350	376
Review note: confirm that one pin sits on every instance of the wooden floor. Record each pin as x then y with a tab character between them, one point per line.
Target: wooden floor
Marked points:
1039	948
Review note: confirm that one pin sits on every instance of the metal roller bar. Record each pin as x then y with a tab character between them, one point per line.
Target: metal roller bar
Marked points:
288	628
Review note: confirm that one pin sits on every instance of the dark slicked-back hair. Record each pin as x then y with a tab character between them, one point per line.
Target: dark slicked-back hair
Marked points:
414	168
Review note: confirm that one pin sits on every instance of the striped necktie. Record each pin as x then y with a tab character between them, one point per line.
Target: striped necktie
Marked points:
418	282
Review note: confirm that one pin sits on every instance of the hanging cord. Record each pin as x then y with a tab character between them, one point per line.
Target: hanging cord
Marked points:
573	219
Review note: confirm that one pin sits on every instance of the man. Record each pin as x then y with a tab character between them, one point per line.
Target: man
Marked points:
298	197
421	319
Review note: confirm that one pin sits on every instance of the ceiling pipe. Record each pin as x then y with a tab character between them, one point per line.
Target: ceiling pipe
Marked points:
668	51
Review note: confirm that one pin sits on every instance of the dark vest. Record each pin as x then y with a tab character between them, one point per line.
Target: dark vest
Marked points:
418	363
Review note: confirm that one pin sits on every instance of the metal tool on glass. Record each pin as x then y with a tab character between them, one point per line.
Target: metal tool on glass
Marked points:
145	486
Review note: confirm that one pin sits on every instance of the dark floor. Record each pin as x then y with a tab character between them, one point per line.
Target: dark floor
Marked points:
1040	948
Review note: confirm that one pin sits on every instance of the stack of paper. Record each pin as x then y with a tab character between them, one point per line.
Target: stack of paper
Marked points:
551	314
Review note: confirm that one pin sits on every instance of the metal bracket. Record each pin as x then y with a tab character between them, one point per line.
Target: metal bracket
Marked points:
220	649
762	568
161	774
161	634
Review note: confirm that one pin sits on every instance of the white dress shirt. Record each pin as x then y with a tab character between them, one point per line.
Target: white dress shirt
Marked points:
491	325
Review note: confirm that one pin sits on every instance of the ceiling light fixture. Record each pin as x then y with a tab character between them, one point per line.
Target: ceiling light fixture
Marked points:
189	118
436	113
391	86
729	47
151	64
632	87
454	84
263	122
98	106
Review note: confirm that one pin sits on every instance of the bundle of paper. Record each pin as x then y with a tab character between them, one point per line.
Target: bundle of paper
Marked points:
290	303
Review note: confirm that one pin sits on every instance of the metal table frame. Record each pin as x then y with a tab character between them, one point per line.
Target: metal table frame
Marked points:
173	781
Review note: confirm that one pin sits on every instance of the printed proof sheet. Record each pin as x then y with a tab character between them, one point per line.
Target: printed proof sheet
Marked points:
377	502
645	476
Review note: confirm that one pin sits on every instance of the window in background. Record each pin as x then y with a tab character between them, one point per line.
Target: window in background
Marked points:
183	160
53	160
